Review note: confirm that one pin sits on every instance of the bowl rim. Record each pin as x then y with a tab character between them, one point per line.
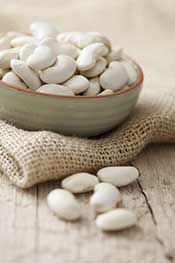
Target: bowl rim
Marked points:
135	85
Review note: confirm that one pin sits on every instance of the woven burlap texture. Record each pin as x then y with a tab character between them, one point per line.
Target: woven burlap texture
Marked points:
27	158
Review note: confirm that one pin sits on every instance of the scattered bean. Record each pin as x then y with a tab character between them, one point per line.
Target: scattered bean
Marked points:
105	198
115	220
118	175
80	182
63	204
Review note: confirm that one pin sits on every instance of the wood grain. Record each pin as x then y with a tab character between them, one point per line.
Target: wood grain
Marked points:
31	233
157	168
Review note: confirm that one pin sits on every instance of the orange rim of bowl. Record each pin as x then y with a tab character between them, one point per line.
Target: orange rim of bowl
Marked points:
135	85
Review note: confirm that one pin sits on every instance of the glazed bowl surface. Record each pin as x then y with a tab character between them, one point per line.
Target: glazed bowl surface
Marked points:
82	116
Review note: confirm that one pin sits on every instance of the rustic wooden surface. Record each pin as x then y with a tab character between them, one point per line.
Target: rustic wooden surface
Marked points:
29	232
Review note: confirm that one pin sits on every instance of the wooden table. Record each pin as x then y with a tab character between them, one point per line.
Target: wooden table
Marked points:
29	232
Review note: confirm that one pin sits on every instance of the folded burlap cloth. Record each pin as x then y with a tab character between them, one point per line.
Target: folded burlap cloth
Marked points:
27	158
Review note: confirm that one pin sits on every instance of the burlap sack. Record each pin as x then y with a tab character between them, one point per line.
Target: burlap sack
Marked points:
28	158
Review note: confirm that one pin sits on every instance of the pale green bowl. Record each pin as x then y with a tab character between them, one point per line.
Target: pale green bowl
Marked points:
68	115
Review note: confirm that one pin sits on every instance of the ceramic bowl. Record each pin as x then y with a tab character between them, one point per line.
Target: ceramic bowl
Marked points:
69	115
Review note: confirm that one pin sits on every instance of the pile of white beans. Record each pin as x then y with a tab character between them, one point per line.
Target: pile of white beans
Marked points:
69	63
105	200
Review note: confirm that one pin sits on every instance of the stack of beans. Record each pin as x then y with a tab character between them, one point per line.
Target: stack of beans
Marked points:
69	63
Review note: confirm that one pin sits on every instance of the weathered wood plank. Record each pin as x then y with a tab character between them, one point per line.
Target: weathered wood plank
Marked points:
83	242
17	223
157	167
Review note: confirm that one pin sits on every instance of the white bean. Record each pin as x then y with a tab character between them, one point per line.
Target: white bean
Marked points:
42	58
118	175
63	69
4	42
80	182
43	29
14	34
115	220
3	72
106	92
68	49
98	37
75	38
89	56
97	69
94	87
63	204
61	48
77	84
55	89
83	39
25	73
51	43
114	77
13	79
77	60
132	72
26	51
7	55
105	198
115	54
22	40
